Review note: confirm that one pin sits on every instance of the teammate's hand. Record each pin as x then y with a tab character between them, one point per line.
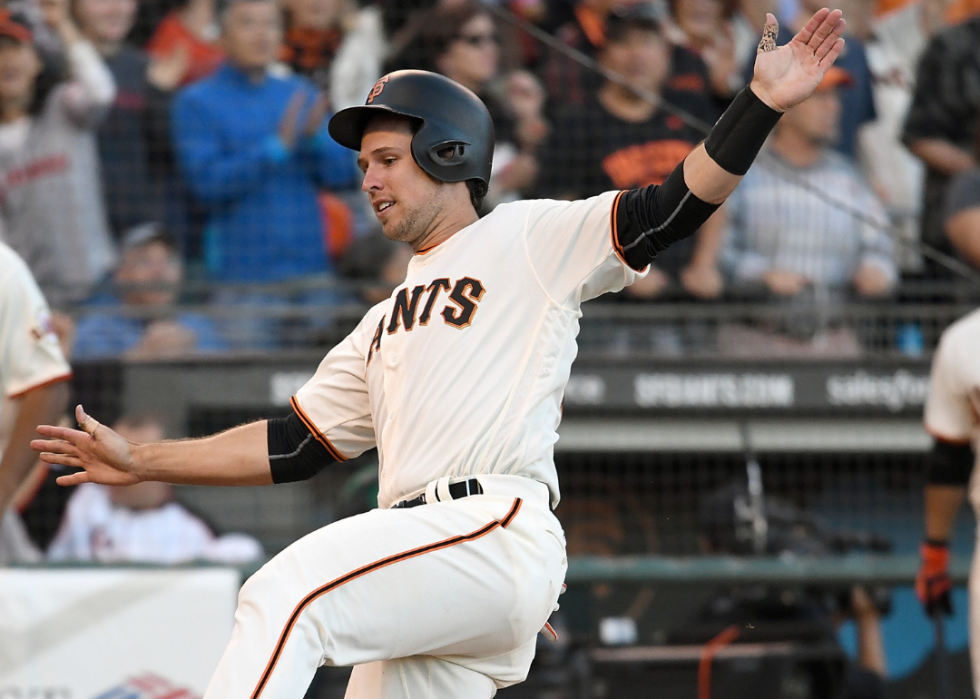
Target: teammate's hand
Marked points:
105	457
932	584
788	74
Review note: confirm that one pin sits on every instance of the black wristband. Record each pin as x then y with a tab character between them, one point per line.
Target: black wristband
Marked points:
739	134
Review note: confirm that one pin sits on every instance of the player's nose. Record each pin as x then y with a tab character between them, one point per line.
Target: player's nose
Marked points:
371	180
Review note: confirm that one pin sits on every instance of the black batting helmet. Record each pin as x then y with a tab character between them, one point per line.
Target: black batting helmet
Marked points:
455	140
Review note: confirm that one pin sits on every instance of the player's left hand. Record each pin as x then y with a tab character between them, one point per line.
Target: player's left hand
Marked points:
104	456
788	74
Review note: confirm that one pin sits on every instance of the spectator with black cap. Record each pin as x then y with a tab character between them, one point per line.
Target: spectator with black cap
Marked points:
139	321
619	139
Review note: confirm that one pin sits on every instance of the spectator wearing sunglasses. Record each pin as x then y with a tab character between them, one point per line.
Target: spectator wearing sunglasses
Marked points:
461	41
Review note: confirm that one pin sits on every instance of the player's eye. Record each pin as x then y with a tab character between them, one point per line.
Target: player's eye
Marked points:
389	161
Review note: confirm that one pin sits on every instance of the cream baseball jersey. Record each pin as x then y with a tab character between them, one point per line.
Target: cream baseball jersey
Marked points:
462	371
953	408
30	355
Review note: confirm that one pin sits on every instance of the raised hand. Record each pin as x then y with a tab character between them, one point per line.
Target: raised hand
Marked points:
105	457
788	74
321	105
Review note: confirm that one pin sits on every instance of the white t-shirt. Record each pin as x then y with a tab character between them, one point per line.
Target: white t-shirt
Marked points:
30	355
953	409
462	371
95	529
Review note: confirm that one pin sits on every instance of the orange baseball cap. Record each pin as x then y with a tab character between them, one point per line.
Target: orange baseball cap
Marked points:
835	77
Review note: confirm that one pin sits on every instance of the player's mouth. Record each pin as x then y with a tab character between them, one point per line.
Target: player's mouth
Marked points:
380	207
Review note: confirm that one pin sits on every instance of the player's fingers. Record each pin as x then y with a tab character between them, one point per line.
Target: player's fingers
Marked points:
825	29
769	34
828	59
810	27
65	434
73	479
50	457
54	446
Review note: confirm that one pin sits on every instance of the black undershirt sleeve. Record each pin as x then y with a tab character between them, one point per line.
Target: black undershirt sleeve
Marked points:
650	219
950	464
294	453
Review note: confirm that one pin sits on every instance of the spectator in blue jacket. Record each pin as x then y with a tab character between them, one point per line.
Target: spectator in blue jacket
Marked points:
254	148
136	322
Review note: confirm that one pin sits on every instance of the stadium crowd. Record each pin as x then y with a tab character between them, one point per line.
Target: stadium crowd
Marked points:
174	152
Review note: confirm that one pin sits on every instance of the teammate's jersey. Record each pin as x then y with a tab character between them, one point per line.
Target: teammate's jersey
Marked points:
953	408
462	371
29	352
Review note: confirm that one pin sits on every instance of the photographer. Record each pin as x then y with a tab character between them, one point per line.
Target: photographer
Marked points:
733	522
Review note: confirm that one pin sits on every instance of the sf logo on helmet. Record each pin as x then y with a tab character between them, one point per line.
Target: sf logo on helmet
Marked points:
377	89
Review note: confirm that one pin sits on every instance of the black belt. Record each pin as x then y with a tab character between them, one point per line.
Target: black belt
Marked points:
462	489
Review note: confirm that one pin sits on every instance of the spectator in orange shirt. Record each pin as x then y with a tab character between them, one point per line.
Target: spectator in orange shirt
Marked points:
313	35
191	29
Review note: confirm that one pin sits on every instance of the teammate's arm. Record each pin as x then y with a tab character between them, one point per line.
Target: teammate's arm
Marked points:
38	405
649	220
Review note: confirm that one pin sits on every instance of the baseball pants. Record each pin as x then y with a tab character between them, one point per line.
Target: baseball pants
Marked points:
439	601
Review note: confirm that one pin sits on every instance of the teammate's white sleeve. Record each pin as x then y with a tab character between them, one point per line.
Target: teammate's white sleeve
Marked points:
30	355
949	415
334	404
571	247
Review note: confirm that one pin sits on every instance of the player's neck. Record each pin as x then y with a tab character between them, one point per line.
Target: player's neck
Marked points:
445	227
625	104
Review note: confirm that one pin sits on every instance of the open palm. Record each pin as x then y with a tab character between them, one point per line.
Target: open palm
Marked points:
104	455
786	76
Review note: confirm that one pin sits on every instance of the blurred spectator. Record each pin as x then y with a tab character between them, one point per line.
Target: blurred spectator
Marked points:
857	100
461	41
705	26
254	148
790	238
962	215
620	140
139	322
188	38
313	36
52	210
357	65
141	523
941	127
895	44
134	140
567	82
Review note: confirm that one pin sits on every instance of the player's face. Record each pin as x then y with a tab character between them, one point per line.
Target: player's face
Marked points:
408	203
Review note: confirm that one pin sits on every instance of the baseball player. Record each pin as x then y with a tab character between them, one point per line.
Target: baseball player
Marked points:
952	417
457	379
33	373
